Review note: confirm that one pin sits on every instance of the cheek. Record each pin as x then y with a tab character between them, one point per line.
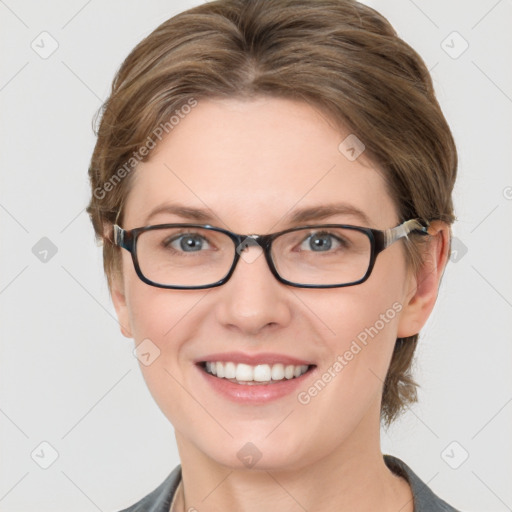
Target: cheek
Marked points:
161	327
360	326
160	314
154	316
360	313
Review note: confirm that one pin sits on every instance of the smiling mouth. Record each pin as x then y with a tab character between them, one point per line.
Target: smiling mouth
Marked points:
262	374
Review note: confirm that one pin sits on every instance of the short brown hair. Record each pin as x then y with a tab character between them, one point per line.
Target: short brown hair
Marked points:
338	55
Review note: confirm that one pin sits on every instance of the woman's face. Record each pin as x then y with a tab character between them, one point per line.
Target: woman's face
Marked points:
251	165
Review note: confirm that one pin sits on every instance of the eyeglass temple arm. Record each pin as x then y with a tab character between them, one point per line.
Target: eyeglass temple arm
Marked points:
118	236
393	234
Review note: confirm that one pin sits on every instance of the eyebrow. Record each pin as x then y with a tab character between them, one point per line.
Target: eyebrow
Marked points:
300	216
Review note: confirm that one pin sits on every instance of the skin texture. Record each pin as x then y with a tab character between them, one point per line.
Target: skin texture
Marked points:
252	163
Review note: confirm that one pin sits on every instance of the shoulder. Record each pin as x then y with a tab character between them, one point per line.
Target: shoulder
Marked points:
424	499
160	499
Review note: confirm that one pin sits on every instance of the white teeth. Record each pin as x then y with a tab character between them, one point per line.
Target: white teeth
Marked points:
258	373
277	372
220	370
243	372
230	370
289	371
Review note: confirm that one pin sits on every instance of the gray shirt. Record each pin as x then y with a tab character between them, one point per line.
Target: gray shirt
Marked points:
424	499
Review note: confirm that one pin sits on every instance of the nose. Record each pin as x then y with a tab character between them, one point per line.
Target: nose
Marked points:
253	300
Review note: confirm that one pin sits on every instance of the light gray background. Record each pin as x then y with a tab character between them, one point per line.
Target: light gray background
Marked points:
69	378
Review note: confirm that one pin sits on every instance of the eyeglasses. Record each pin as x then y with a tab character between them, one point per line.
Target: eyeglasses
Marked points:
196	256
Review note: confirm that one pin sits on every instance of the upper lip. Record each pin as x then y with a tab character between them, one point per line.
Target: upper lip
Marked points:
253	359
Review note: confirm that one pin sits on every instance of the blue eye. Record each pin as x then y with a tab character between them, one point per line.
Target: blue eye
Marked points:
323	242
186	243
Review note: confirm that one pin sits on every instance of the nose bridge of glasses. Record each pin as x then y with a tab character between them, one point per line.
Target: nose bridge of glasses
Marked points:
246	241
254	242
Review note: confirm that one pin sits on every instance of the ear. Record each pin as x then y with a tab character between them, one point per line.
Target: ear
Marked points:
423	287
119	299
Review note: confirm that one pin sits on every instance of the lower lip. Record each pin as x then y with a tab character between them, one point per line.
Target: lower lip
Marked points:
254	393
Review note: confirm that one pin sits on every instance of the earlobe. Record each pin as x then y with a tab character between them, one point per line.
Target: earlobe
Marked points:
423	288
119	300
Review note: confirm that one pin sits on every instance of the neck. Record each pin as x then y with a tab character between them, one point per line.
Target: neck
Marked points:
353	476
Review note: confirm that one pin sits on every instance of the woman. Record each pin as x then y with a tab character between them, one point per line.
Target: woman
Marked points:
272	181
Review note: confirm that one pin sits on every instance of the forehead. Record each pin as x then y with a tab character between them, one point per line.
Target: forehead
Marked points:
254	163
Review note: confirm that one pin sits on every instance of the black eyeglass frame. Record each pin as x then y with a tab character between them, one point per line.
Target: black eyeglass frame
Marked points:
379	240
